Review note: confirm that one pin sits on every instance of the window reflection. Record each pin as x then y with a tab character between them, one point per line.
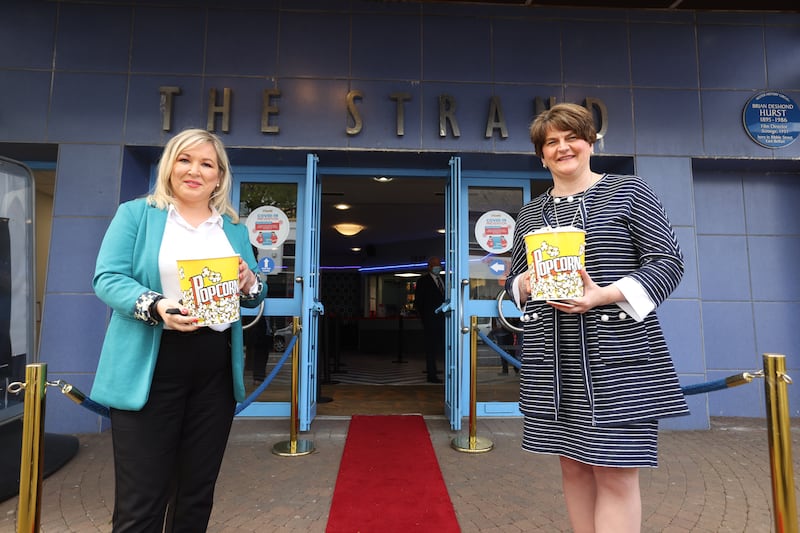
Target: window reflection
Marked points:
484	281
266	339
498	377
283	196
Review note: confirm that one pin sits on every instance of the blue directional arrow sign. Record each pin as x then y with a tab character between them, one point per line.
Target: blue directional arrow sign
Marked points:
266	265
498	267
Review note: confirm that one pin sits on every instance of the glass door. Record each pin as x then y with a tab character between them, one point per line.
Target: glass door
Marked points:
271	201
17	292
309	285
491	203
452	307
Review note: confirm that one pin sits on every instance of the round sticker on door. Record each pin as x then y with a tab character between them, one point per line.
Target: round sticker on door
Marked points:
268	227
494	232
266	266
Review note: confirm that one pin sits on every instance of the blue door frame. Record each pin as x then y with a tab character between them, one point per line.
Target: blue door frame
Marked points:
308	282
279	307
484	308
458	308
453	305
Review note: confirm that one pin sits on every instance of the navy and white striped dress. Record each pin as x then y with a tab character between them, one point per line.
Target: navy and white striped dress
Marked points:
600	405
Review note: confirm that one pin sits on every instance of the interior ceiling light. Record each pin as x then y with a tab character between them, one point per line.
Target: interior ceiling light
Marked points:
342	207
355	249
382	179
348	229
440	230
407	275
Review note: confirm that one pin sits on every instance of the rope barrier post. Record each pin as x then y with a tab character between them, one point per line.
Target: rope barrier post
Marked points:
32	458
294	447
780	442
472	443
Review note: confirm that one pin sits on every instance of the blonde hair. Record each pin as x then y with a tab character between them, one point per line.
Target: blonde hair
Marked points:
563	117
162	195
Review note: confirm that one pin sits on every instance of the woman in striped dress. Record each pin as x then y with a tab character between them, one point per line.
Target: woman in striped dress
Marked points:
596	372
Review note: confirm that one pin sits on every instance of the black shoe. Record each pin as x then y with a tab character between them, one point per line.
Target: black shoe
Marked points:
434	380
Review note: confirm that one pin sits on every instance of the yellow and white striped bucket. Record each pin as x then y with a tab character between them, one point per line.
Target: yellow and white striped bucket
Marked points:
210	288
555	256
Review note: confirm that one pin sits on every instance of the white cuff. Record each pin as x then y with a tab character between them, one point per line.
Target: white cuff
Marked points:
637	303
515	291
255	290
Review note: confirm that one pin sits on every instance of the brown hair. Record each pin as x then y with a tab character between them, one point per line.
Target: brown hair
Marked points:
563	117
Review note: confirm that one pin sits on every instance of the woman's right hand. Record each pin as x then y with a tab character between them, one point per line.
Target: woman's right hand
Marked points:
175	316
524	285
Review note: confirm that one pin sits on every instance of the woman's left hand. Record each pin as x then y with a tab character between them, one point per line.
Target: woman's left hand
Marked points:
246	277
593	296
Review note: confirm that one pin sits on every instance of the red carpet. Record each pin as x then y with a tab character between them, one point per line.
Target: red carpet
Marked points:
389	480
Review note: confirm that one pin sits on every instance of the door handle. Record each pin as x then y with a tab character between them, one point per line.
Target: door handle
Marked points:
444	308
255	318
316	306
464	329
503	321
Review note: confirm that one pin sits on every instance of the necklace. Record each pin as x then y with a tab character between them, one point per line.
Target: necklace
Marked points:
569	199
580	210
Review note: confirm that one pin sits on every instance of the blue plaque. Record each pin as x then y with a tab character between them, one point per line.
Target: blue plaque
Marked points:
772	119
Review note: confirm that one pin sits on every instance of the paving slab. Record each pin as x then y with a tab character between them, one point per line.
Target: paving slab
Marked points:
716	480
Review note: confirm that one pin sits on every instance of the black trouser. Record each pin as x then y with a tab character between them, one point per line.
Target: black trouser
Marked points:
171	450
434	330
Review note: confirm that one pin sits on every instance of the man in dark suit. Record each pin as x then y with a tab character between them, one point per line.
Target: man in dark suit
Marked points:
428	296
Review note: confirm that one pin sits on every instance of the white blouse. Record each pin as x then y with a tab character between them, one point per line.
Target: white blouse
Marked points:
183	241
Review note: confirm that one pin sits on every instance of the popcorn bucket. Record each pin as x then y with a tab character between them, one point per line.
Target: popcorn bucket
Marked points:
210	288
555	255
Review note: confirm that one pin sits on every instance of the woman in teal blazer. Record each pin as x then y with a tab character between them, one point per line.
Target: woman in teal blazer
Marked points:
171	385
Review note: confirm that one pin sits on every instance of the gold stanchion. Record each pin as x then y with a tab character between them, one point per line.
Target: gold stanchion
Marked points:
32	456
294	447
741	379
472	443
780	442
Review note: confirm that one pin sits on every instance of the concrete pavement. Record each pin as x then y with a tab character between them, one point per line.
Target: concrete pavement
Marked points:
708	481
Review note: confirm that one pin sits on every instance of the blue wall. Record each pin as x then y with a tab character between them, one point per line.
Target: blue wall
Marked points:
86	77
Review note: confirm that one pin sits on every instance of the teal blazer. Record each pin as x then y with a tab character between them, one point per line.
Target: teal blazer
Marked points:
127	267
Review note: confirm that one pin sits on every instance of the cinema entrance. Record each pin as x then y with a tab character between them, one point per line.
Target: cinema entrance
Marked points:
341	242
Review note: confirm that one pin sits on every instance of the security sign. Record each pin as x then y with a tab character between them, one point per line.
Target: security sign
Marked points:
266	266
267	227
494	232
